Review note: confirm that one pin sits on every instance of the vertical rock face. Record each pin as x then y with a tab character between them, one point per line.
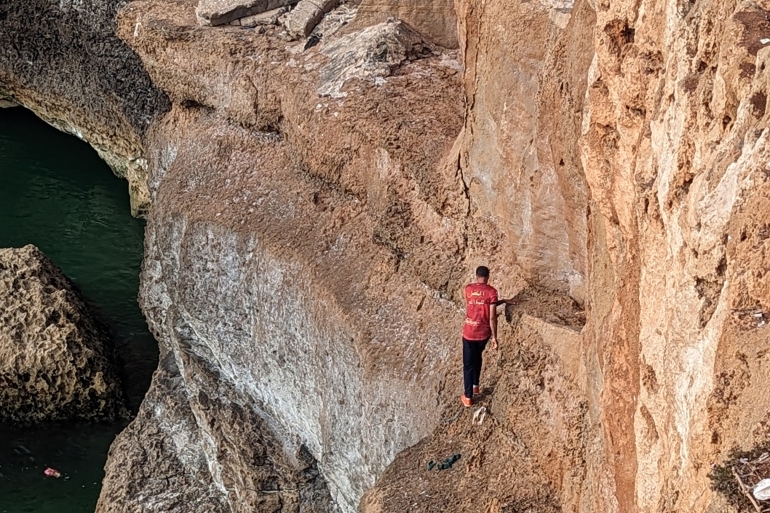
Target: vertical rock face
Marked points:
56	361
655	222
674	148
525	69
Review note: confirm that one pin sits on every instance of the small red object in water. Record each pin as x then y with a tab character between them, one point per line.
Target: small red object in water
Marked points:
52	472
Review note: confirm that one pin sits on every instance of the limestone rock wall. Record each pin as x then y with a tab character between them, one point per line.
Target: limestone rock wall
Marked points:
525	68
306	317
655	220
674	150
56	361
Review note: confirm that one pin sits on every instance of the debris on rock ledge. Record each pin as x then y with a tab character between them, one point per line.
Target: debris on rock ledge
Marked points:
444	464
264	18
762	490
301	20
222	12
371	53
333	21
740	478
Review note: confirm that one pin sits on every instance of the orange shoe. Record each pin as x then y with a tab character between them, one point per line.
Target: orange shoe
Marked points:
467	402
476	390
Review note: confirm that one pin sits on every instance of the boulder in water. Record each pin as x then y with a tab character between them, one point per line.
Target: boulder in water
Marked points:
56	360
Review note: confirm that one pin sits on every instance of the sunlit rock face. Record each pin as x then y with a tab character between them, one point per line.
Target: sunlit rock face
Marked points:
674	150
525	84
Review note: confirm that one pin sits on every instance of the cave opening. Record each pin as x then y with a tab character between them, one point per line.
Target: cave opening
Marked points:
56	193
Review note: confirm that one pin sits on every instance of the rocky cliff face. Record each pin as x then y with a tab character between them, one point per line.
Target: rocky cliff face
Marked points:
673	146
316	212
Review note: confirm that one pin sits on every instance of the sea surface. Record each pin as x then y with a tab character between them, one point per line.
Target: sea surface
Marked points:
56	193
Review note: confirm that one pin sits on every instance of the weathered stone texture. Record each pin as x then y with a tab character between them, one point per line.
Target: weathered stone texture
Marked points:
54	61
433	19
307	251
519	154
265	18
674	146
374	52
319	358
161	461
221	12
301	20
56	361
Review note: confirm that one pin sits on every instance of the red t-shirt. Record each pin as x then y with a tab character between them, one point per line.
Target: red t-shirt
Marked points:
478	297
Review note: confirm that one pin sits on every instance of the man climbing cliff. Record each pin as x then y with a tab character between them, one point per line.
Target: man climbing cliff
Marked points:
480	328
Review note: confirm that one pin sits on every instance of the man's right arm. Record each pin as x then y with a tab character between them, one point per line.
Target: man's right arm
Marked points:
512	301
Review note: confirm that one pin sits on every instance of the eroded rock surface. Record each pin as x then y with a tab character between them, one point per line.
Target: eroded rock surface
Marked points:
435	19
301	20
220	12
370	54
308	250
56	361
160	462
509	458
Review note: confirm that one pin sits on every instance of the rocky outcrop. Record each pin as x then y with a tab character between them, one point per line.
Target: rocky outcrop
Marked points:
301	20
317	358
435	19
372	54
56	361
160	462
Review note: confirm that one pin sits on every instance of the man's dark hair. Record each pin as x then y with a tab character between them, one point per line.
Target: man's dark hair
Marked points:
482	271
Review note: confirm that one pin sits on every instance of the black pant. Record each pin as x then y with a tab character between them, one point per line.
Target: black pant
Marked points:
472	350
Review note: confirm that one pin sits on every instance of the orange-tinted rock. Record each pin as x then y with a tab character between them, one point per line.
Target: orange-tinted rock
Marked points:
308	250
433	19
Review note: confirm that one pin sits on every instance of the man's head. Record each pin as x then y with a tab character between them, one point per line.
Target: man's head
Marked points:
482	273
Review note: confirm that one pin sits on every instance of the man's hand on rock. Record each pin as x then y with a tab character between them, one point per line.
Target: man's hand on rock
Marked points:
494	342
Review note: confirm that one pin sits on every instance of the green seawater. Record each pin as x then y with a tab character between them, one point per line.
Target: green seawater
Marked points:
56	193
